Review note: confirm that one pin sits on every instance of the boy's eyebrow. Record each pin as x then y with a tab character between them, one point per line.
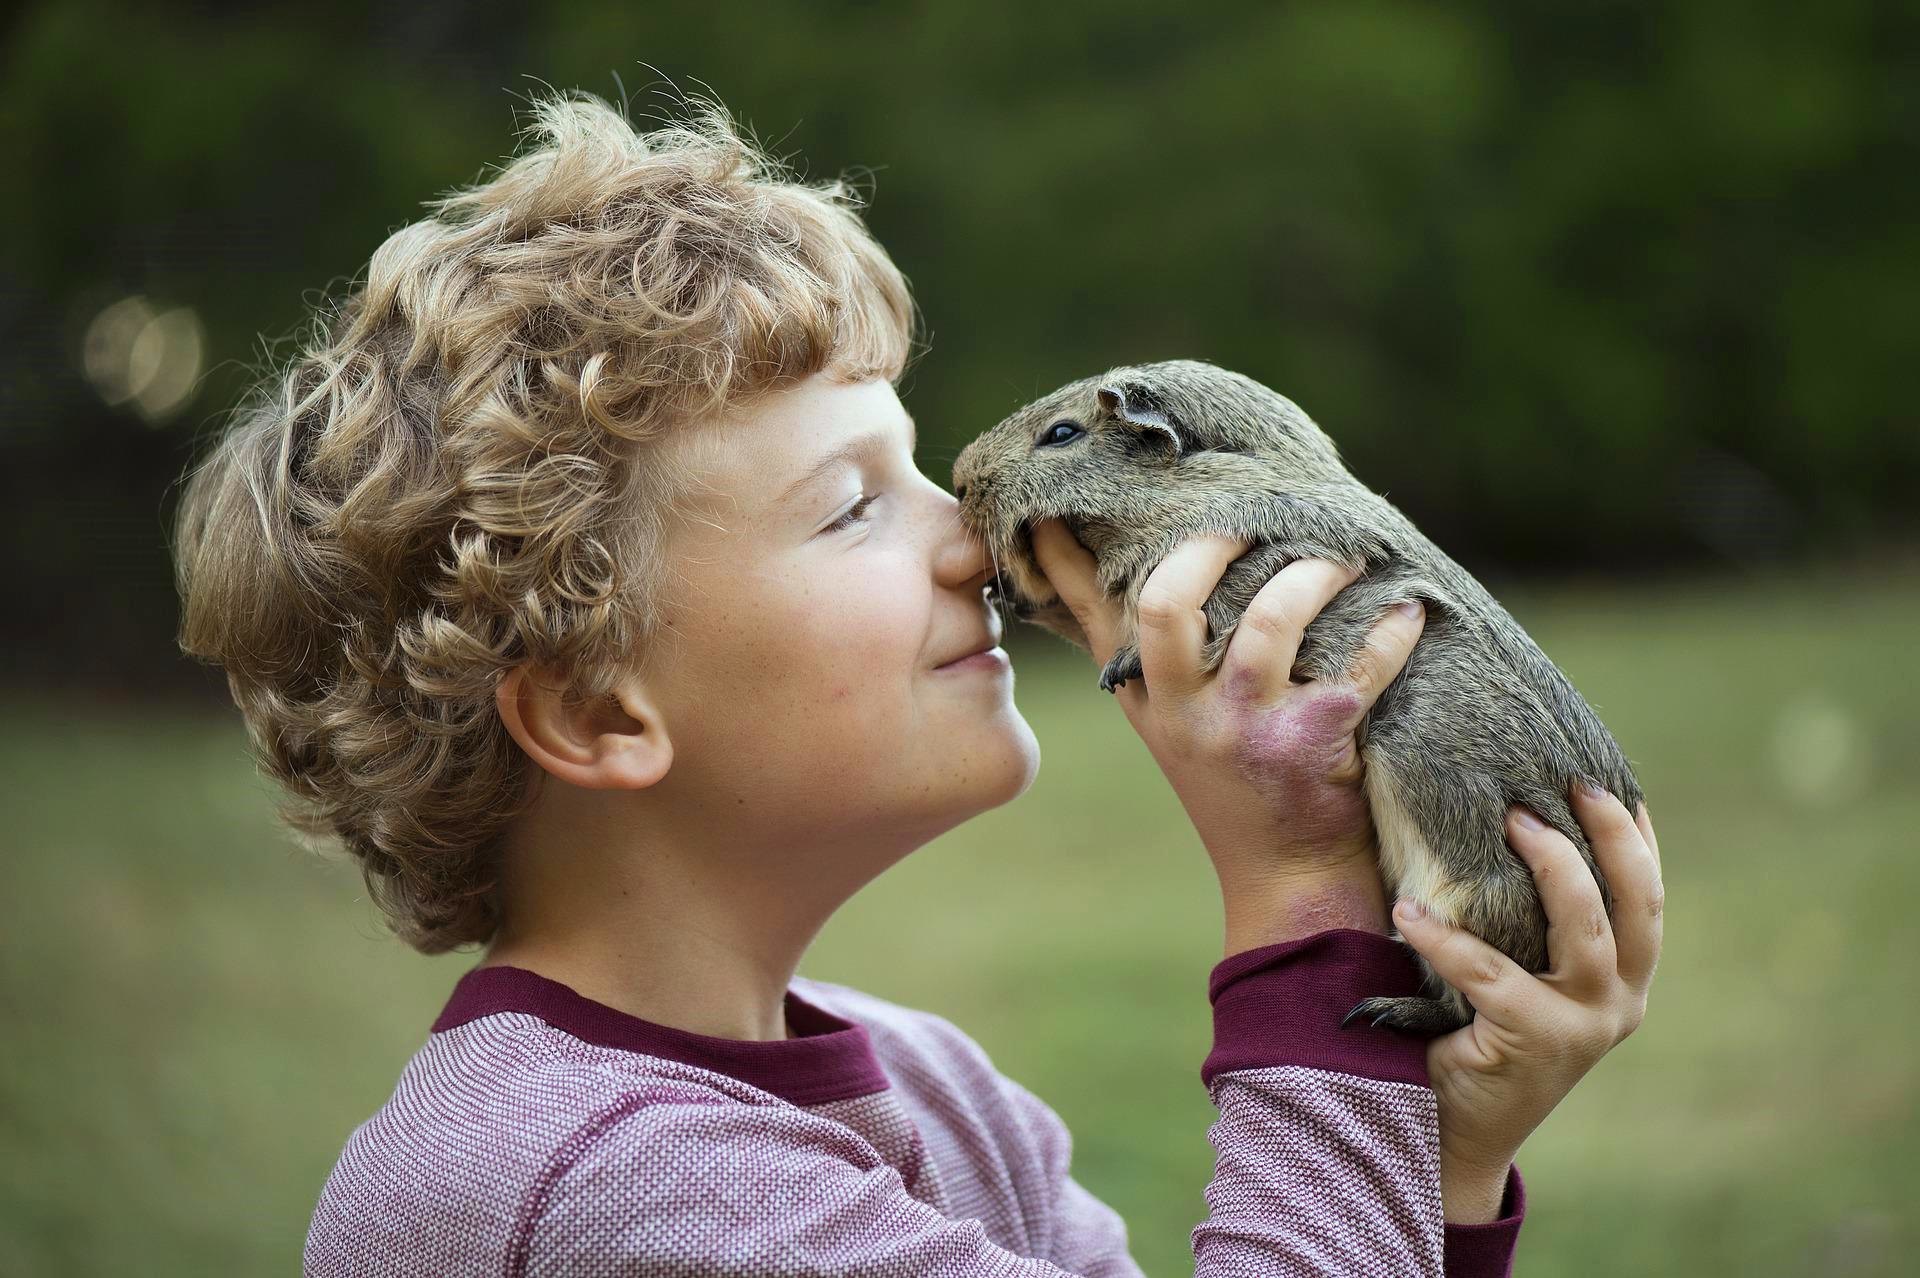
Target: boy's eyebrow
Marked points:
852	450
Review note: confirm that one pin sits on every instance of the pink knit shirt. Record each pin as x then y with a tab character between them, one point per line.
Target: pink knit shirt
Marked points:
538	1132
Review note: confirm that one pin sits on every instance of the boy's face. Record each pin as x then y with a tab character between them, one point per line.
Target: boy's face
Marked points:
809	611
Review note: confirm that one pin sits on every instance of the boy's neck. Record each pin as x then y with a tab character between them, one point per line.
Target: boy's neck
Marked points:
709	1003
696	920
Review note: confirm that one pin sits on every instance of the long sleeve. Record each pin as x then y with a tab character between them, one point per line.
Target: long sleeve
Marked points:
1326	1143
1328	1138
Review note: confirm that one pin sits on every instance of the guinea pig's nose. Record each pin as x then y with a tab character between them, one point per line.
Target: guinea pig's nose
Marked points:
960	492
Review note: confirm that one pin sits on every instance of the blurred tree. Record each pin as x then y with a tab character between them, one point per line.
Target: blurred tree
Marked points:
1607	285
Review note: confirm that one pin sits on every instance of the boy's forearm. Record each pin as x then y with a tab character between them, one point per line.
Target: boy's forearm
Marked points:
1470	1195
1290	904
1304	902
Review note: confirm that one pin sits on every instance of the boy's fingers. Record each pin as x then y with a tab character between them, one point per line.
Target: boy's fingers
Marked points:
1600	814
1580	948
1258	664
1070	569
1620	846
1385	652
1173	629
1645	822
1499	988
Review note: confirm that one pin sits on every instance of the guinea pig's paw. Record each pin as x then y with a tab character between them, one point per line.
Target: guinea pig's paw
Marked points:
1125	665
1424	1017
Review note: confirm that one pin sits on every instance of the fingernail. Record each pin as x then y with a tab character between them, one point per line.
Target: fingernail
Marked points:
1591	789
1524	815
1411	608
1408	908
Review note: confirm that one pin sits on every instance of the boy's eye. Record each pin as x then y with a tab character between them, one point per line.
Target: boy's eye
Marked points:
854	513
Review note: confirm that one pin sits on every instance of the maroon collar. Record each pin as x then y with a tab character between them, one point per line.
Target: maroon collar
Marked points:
829	1059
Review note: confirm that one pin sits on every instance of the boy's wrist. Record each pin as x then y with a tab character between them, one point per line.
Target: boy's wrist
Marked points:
1293	902
1470	1193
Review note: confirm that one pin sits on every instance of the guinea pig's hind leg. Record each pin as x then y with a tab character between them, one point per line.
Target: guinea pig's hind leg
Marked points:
1421	1016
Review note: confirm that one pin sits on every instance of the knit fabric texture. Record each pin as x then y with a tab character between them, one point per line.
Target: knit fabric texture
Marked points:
537	1132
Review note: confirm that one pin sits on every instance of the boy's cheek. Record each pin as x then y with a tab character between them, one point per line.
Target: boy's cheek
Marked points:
829	645
868	638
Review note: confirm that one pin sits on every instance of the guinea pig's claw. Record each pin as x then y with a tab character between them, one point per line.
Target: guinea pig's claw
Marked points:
1125	665
1418	1016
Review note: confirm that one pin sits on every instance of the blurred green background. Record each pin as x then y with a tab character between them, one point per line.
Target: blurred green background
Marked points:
1613	299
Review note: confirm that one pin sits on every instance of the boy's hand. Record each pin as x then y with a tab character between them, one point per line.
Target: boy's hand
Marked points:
1533	1037
1268	769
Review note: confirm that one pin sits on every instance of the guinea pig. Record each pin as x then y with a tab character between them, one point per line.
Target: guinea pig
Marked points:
1139	458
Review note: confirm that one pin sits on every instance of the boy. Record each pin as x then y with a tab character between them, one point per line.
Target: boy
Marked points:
579	579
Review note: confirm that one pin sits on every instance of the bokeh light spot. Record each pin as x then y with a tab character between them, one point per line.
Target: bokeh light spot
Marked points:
150	360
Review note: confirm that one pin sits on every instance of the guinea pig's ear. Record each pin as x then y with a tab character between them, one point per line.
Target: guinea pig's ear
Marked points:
1135	409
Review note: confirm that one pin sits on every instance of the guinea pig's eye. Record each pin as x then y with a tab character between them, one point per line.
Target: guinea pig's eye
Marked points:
1060	433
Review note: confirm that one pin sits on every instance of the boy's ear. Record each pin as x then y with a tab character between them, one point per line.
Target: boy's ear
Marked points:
618	742
1134	407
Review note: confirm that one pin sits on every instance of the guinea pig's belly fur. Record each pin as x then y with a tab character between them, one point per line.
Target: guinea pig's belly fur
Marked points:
1462	736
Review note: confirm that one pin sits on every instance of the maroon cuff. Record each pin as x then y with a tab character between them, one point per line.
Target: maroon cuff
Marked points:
1282	1005
1486	1250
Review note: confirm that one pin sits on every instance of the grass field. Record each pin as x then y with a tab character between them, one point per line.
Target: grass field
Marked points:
197	1014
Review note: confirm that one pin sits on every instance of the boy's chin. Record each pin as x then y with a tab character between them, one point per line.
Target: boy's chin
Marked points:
1009	763
989	763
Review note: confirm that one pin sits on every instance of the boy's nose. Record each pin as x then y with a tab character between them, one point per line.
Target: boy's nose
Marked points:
964	560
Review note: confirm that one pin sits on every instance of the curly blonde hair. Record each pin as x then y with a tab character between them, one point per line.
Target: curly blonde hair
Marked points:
457	473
